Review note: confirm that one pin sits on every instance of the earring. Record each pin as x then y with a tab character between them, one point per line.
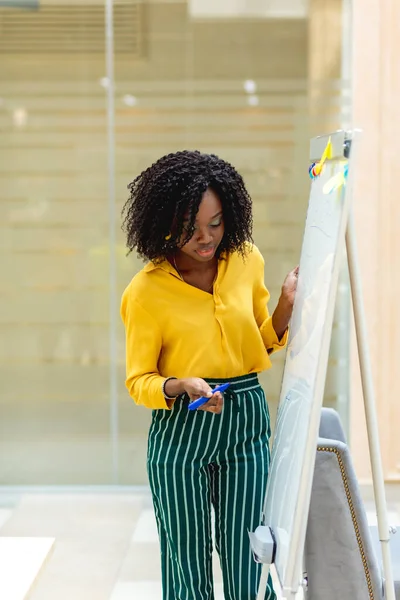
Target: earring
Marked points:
168	237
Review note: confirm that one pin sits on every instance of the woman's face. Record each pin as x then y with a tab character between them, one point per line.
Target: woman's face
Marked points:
209	229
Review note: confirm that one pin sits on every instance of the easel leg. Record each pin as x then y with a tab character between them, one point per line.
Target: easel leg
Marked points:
369	403
262	588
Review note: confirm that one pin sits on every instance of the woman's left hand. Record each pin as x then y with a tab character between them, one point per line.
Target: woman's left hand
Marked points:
289	286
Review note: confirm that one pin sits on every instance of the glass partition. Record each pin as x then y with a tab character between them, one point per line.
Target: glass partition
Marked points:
237	84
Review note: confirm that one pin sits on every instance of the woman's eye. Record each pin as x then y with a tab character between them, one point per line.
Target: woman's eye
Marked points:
186	225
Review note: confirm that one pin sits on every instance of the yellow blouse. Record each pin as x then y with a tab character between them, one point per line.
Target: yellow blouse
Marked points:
176	330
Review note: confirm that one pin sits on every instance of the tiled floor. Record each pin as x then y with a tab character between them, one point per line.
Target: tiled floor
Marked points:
5	514
105	547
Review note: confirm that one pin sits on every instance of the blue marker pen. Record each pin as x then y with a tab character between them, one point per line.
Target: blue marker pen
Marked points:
200	401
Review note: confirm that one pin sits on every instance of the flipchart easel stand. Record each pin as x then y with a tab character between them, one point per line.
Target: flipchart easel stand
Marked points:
265	548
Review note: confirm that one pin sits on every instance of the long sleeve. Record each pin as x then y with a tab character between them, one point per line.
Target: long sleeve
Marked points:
261	297
143	348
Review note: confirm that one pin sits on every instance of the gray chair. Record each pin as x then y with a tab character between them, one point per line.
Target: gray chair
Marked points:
342	553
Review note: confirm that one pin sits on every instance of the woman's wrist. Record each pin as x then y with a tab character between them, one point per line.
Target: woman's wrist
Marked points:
173	387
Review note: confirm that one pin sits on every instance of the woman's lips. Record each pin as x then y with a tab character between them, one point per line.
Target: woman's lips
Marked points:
207	252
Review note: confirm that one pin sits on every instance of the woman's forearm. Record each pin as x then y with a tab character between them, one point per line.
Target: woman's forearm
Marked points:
281	316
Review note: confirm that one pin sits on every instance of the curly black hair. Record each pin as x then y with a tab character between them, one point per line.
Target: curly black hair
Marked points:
165	198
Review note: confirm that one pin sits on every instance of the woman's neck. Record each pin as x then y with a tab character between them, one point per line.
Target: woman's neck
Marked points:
187	264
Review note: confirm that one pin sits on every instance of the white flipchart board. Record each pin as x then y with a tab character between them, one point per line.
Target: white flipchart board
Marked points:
296	432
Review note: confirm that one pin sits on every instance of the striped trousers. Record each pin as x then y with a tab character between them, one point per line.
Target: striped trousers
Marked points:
199	460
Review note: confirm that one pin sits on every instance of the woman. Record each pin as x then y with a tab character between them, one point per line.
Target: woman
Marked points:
196	316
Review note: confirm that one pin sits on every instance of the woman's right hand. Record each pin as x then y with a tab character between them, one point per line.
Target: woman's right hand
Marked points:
196	388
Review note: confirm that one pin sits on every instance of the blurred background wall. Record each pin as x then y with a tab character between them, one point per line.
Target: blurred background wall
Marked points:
376	100
249	80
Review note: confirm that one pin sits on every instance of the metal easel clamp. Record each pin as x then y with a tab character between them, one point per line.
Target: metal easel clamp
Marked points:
263	545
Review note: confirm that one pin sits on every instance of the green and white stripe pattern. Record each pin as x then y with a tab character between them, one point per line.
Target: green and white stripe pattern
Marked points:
197	460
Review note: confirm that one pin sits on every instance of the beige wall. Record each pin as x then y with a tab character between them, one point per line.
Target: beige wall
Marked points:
376	97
